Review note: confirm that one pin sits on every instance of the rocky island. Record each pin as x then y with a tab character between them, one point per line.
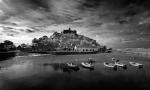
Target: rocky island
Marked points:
66	42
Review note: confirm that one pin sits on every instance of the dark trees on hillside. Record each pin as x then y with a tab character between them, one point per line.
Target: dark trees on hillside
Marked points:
2	47
24	47
7	46
44	44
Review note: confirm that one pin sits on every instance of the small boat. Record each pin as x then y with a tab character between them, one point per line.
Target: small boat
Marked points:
87	65
115	60
71	65
120	64
110	65
136	64
90	60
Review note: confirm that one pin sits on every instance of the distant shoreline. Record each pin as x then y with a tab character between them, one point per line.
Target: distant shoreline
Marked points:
66	52
143	54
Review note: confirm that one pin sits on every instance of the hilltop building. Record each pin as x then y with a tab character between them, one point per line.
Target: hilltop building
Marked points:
69	31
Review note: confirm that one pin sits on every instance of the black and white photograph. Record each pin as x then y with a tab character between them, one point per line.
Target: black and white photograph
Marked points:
74	44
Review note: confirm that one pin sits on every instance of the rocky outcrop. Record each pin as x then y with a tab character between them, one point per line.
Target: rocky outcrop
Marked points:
66	39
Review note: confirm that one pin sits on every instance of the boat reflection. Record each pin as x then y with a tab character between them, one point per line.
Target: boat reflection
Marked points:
30	75
61	66
114	69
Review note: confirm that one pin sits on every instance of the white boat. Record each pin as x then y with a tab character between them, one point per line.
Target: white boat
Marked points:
136	64
87	65
71	65
120	64
110	65
90	60
115	60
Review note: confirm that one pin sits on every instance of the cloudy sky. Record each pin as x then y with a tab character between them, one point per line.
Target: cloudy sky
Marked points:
114	23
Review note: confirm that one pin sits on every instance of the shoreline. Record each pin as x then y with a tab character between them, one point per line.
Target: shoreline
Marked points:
7	55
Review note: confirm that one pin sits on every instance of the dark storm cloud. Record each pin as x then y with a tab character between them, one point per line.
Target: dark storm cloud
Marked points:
61	11
9	31
32	4
129	19
30	31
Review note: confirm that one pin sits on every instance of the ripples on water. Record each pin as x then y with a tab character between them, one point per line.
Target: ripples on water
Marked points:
28	75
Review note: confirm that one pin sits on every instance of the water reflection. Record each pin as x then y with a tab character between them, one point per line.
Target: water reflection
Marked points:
30	75
17	70
114	69
90	69
62	66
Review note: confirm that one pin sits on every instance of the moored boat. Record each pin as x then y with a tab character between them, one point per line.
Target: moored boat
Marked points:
87	65
71	65
136	64
120	64
91	60
115	60
110	65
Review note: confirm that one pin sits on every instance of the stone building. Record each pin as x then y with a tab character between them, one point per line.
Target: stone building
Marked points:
88	48
69	31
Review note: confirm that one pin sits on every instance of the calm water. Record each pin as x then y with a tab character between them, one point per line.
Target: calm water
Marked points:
48	73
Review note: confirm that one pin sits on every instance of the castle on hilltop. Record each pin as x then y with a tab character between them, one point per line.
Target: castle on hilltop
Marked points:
69	31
